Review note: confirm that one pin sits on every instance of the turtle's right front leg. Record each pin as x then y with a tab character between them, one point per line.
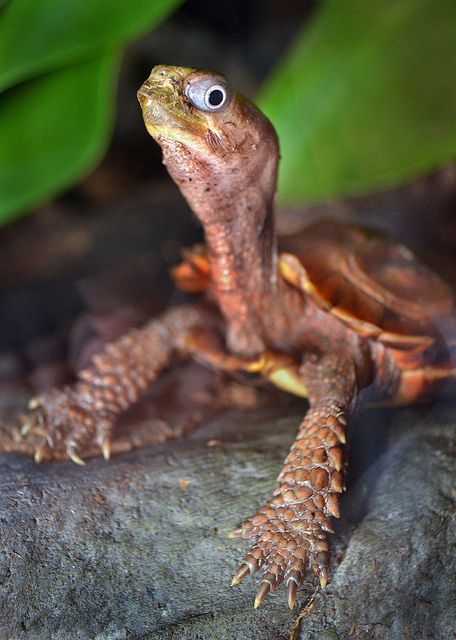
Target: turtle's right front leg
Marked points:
290	530
75	417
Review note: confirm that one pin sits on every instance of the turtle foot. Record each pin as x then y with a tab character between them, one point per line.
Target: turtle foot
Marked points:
288	542
65	427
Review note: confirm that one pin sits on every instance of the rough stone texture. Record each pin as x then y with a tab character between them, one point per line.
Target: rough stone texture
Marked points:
397	576
138	547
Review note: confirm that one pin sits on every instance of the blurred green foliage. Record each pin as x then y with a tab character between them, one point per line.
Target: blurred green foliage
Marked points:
58	70
52	128
364	100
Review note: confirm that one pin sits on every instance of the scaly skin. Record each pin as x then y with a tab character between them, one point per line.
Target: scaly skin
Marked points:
290	530
223	156
75	417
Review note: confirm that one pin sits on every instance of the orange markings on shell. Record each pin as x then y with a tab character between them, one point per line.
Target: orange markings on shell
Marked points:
376	287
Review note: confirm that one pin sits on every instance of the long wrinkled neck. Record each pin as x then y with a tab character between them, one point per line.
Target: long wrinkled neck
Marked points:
235	206
243	260
243	256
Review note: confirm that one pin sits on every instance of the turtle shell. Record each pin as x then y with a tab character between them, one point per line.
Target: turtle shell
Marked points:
377	287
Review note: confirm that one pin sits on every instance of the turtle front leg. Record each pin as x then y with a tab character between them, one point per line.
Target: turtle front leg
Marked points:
290	530
76	417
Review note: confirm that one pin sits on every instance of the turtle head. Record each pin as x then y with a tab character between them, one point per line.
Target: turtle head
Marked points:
215	142
181	105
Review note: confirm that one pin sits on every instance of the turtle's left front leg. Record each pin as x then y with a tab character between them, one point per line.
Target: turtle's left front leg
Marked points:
290	530
73	420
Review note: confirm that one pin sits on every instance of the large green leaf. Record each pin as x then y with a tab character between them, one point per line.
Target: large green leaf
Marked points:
42	35
57	68
367	97
52	129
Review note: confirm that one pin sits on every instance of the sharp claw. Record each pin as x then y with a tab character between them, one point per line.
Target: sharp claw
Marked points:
292	591
236	533
73	455
26	427
39	454
240	574
262	592
34	403
106	448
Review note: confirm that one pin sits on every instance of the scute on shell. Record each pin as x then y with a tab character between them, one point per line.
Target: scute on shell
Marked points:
377	287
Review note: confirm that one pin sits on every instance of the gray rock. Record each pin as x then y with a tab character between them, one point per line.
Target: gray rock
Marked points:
138	547
397	576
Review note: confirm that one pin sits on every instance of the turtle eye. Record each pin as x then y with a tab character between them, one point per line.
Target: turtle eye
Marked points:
209	94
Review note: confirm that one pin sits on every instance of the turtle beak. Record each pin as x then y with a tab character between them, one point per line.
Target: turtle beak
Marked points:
143	94
164	111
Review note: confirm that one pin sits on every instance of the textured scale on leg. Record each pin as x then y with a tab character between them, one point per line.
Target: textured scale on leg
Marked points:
70	417
290	530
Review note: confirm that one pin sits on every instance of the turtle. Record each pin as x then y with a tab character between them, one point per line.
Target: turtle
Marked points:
325	314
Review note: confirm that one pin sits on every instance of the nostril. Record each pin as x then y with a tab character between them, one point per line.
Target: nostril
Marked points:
160	70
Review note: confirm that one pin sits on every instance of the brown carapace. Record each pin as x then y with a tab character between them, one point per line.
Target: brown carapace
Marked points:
323	314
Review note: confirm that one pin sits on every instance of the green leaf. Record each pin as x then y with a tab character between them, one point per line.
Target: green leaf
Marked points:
366	99
52	129
37	36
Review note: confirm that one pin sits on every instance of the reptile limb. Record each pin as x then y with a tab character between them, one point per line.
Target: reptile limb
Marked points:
290	530
75	416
